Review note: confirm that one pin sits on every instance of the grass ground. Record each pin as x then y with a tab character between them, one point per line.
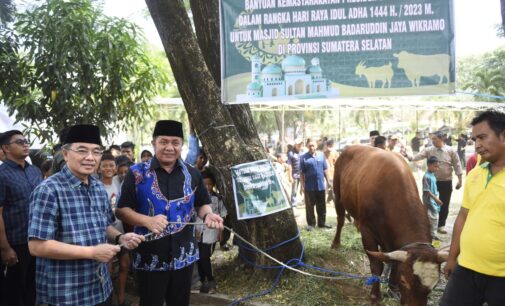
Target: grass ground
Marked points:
238	280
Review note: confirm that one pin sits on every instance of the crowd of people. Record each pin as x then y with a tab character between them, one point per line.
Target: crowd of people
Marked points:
63	225
60	232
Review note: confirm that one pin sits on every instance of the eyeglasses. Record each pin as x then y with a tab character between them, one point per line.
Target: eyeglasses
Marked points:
84	152
20	142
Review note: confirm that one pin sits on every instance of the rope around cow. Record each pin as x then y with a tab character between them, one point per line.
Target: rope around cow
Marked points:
290	264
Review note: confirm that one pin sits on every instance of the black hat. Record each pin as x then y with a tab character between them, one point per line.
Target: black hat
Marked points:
374	133
84	133
6	136
168	128
63	134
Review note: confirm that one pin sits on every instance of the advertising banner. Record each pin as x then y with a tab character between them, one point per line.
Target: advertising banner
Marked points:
306	49
257	190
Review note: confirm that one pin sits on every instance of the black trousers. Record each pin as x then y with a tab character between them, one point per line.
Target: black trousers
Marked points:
462	159
226	233
172	287
108	302
445	192
469	288
315	198
19	281
2	271
204	264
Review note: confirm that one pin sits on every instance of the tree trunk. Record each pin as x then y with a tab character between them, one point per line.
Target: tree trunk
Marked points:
227	143
206	20
502	2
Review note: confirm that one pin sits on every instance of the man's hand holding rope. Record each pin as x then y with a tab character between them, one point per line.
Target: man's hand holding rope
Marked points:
212	220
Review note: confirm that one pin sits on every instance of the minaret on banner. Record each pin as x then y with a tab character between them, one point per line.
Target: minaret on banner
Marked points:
255	68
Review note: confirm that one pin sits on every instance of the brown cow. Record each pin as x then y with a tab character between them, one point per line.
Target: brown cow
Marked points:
378	189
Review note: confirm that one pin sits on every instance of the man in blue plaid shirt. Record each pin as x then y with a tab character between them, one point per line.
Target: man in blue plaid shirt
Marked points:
70	226
17	180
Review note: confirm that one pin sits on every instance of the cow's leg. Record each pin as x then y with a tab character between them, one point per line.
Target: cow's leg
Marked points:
376	266
339	207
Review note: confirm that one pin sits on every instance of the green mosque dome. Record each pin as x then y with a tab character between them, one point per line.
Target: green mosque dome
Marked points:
254	86
271	69
314	69
293	61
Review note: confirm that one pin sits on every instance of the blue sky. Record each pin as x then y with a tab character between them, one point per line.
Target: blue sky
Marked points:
475	23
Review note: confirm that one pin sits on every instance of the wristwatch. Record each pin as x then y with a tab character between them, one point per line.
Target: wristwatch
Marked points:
116	239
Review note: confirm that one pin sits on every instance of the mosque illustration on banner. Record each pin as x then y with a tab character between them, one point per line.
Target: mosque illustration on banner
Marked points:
292	79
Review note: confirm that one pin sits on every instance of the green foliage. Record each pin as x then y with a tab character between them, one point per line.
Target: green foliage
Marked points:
484	74
7	10
67	63
160	60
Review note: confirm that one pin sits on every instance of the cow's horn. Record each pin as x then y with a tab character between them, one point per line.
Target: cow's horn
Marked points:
442	256
396	255
400	256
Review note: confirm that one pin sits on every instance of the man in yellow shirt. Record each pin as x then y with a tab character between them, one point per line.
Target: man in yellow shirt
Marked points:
476	264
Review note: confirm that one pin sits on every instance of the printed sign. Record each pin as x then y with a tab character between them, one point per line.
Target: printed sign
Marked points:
257	190
305	49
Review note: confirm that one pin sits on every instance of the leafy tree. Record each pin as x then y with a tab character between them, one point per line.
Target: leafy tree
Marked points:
7	10
169	87
67	63
484	74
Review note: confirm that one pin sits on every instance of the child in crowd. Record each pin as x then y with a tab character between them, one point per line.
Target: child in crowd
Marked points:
145	156
46	168
107	171
110	180
206	237
430	195
283	171
122	170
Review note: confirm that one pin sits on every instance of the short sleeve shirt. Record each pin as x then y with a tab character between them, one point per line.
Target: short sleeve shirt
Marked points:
16	185
482	241
294	161
313	167
430	184
62	208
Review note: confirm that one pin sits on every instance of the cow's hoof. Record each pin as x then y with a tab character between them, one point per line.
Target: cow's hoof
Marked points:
375	301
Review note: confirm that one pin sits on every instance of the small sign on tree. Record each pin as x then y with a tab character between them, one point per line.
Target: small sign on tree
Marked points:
257	189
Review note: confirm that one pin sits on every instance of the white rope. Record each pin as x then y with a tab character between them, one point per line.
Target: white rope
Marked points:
272	258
